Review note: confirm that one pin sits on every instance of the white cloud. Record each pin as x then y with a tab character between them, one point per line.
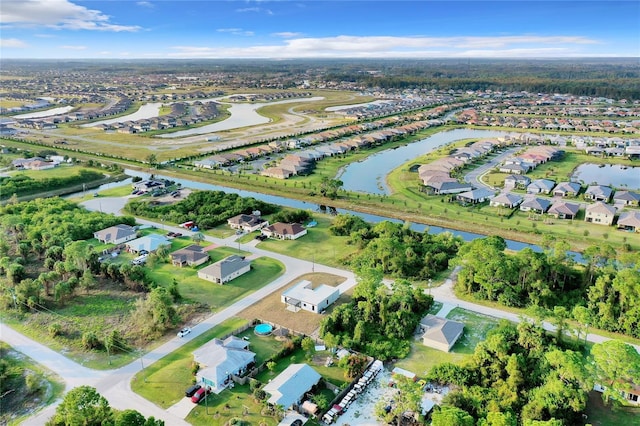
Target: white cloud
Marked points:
146	4
59	14
254	10
397	47
235	31
12	43
286	34
73	47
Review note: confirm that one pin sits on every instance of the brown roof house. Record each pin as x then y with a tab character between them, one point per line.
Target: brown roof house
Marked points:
192	255
225	270
440	333
562	210
600	213
285	231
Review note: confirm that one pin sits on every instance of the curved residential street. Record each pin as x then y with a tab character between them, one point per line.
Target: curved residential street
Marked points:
115	384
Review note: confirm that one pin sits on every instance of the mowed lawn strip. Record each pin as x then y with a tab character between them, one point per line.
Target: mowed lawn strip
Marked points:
273	310
164	381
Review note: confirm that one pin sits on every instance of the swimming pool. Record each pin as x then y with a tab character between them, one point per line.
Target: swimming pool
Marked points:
263	329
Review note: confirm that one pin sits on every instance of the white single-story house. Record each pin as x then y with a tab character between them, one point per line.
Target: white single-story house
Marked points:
440	333
600	213
117	234
540	186
304	296
247	222
218	360
149	243
225	270
284	231
289	387
506	199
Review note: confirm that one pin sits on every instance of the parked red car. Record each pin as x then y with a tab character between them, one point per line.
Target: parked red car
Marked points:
199	395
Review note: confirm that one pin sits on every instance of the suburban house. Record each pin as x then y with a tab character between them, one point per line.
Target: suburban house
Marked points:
535	204
225	270
540	186
516	181
629	221
598	193
448	186
117	234
566	189
515	168
247	222
289	387
150	243
440	333
627	198
220	359
564	210
192	255
304	296
284	231
506	199
475	196
600	213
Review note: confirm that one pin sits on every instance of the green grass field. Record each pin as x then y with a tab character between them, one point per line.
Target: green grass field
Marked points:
263	271
422	358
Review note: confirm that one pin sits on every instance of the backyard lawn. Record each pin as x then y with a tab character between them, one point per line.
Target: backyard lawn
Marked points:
422	358
263	271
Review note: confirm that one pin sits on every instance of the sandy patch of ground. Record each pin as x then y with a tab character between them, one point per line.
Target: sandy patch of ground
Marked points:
271	309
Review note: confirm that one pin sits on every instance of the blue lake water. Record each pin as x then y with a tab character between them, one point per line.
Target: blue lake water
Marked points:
616	176
370	174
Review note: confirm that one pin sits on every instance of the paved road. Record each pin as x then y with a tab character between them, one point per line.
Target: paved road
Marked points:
475	175
115	384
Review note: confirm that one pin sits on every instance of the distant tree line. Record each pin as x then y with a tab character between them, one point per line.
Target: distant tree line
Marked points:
21	184
602	293
206	208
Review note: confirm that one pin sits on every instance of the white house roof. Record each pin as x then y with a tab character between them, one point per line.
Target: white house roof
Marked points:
289	386
305	293
150	243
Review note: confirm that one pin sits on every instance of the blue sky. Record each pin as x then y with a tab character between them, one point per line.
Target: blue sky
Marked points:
318	29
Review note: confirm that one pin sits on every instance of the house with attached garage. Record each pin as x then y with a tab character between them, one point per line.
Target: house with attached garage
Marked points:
192	255
516	181
566	189
626	198
225	270
304	296
475	196
598	193
289	387
247	222
149	243
219	360
117	234
540	186
600	213
284	231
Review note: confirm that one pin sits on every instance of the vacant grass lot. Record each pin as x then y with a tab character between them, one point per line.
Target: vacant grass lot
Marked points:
273	310
422	358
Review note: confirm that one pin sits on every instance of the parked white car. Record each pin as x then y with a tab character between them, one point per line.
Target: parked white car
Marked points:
184	332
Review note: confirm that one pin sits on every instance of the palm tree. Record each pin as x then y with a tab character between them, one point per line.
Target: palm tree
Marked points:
198	237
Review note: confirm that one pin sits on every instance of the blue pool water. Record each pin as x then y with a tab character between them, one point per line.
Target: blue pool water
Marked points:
263	329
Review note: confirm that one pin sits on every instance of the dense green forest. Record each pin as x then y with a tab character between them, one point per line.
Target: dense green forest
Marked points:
603	293
379	320
25	185
206	208
395	249
520	374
